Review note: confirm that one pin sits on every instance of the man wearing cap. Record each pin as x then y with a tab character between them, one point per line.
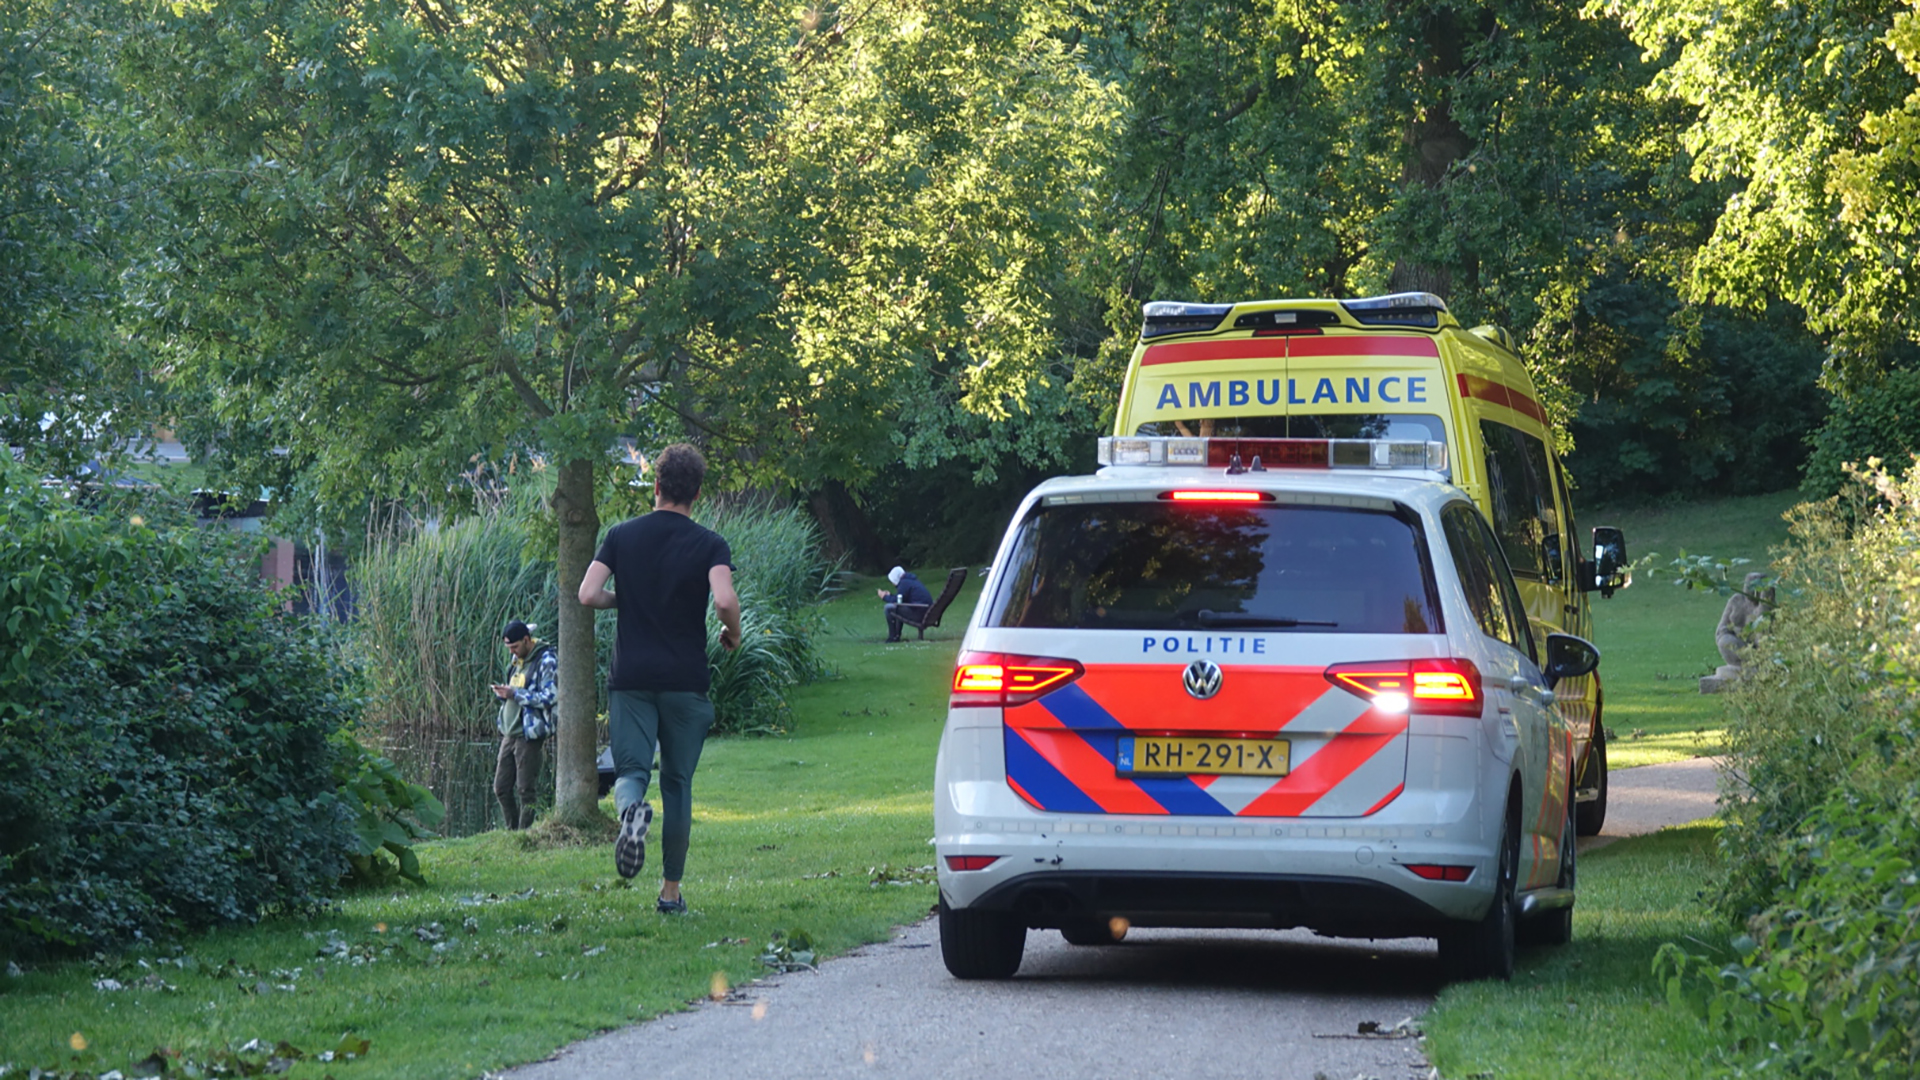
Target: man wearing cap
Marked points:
909	594
666	566
526	719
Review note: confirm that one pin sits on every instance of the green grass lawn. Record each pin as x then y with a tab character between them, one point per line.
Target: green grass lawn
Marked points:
1657	638
510	953
1592	1008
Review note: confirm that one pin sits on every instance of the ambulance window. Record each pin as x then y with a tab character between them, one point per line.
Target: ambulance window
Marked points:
1520	489
1405	426
1423	427
1219	568
1569	538
1225	427
1483	576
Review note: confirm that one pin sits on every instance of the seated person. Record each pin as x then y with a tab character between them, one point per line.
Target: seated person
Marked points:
910	595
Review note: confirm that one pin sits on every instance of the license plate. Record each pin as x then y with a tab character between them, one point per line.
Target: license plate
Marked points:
1145	755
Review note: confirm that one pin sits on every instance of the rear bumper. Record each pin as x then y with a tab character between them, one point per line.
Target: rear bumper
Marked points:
1345	878
1337	906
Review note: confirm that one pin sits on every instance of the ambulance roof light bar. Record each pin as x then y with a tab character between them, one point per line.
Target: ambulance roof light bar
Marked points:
1274	453
1398	309
1162	317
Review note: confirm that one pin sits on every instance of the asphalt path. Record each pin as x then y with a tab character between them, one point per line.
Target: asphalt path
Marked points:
1162	1003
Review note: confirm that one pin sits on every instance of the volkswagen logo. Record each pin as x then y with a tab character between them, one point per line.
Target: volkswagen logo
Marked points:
1203	678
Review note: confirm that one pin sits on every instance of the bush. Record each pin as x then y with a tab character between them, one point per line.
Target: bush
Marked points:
167	725
1822	837
1879	420
1827	980
1828	699
389	812
1667	406
781	577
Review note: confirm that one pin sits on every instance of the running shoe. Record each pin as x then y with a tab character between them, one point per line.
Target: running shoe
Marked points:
630	847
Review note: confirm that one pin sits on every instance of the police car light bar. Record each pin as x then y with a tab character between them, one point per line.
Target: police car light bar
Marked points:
1274	453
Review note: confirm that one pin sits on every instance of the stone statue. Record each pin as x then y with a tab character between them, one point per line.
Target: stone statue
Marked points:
1744	608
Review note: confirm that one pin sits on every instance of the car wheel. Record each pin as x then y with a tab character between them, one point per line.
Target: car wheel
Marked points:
1589	816
1087	932
980	944
1556	927
1485	949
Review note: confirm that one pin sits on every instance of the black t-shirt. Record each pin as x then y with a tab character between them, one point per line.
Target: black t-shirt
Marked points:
660	563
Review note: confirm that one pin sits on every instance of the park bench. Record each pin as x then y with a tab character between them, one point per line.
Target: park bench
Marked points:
930	618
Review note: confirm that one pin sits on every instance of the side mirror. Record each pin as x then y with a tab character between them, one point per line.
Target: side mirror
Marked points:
1608	570
1569	657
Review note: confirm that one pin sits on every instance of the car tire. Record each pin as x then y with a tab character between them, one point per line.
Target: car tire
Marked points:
1087	932
1590	816
1556	927
980	944
1485	949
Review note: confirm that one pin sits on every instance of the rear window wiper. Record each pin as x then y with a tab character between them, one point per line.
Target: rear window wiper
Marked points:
1226	618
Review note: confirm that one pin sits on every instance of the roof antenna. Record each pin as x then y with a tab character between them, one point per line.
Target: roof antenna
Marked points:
1256	466
1234	468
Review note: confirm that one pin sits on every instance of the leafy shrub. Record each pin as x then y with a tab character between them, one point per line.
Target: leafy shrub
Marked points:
390	814
1709	401
1878	420
781	576
1827	691
1823	835
1827	981
167	724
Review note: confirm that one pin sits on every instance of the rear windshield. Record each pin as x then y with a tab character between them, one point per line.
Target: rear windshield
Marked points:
1162	566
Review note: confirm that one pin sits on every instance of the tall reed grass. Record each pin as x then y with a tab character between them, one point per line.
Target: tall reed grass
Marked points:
781	573
431	604
432	600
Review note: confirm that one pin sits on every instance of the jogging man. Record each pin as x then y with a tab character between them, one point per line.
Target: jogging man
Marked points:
665	566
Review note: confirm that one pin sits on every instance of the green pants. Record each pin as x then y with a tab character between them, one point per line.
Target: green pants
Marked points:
676	722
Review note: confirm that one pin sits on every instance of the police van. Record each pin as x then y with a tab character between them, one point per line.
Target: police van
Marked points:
1210	382
1296	688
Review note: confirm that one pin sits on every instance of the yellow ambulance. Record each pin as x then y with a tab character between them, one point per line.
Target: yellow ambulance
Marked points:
1231	383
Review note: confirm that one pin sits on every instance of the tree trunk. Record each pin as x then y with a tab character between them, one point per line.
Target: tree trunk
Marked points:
576	796
848	529
1435	142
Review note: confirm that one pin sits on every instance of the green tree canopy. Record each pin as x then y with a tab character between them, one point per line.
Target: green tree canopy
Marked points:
67	192
1812	113
413	235
1497	152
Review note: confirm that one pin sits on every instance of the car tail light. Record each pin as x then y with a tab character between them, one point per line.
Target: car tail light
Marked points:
971	862
1449	687
1004	679
1433	871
